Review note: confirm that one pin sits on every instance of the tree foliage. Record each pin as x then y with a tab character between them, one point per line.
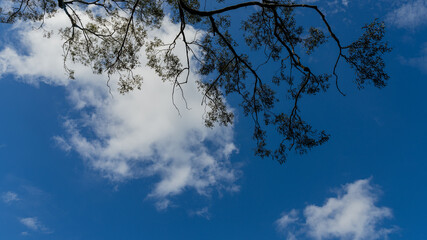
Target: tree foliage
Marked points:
107	35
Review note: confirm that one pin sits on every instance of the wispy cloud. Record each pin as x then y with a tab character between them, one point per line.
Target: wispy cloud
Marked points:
203	213
330	6
351	215
287	219
409	15
9	197
34	224
419	61
139	134
345	2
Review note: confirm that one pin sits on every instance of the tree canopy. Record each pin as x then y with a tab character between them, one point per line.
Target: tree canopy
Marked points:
108	35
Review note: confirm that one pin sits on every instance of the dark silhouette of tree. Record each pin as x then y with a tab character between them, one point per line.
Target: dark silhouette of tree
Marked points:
108	34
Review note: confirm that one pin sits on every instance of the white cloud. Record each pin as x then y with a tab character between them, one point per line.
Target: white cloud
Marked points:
409	15
287	219
351	215
139	134
9	197
203	212
419	61
345	2
31	223
6	6
34	224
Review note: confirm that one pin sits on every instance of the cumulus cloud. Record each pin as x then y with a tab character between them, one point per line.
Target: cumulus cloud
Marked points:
351	215
409	15
34	224
139	134
9	197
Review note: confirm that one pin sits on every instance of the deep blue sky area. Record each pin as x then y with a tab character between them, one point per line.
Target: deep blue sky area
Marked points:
367	182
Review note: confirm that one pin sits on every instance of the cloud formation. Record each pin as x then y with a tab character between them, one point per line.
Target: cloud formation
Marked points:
409	15
419	61
136	135
9	197
203	213
351	215
34	224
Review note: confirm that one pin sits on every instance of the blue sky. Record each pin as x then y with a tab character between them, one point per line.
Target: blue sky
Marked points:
76	163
